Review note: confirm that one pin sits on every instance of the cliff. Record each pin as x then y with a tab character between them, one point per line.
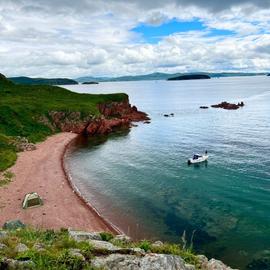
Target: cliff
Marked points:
112	115
37	111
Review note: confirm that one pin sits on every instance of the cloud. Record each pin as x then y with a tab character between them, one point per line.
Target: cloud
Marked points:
83	37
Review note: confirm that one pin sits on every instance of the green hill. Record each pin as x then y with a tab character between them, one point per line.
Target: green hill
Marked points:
22	107
42	81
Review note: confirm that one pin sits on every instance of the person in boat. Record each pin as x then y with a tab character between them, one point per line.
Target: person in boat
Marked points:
206	152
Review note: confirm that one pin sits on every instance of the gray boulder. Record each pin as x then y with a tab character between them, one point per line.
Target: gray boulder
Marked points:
103	245
2	246
216	265
76	253
123	238
84	236
148	262
3	234
11	264
21	248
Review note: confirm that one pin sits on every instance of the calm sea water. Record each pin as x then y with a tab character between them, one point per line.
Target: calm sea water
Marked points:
141	182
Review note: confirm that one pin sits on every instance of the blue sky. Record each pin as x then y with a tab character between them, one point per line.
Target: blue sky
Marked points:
118	37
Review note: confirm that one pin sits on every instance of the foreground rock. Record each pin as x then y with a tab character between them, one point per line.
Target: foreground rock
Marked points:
88	251
149	261
228	106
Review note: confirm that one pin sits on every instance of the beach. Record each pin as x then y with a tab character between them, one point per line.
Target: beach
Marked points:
42	171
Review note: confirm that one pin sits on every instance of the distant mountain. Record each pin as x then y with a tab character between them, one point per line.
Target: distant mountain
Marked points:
161	76
42	81
190	77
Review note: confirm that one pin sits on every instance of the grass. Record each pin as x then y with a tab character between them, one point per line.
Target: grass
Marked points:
22	106
56	249
6	178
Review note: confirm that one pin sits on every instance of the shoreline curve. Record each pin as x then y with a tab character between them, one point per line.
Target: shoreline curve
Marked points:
43	171
76	190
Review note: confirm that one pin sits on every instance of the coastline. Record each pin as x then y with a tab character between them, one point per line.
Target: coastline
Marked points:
43	171
113	228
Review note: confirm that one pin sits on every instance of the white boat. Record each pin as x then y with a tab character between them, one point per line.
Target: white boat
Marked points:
197	158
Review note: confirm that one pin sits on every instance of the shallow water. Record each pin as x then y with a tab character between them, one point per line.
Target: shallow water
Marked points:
141	182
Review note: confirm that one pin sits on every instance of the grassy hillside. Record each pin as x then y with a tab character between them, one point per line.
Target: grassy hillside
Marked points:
21	106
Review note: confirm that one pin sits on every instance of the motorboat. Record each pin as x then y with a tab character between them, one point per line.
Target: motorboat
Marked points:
198	158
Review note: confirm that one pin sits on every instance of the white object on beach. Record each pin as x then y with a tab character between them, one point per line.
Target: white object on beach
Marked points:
197	159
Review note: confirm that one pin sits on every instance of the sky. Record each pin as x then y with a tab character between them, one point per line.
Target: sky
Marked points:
68	38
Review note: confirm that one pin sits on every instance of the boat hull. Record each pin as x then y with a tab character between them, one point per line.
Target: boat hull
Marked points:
199	160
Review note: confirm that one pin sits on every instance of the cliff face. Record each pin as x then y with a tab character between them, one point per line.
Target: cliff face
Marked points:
113	115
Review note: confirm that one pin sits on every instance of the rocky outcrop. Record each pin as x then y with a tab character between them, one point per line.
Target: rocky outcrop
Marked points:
113	115
229	106
149	261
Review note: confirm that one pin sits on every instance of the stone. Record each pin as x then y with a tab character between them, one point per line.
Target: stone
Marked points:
123	238
84	236
216	265
39	246
21	248
190	266
203	260
76	253
157	244
13	225
3	234
2	246
137	251
103	245
11	264
148	262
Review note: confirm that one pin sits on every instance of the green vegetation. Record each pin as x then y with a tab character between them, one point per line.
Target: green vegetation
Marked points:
49	249
6	178
22	107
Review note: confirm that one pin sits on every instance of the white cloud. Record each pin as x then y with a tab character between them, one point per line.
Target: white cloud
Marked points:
83	37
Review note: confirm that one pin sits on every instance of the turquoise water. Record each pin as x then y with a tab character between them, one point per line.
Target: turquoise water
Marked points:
141	182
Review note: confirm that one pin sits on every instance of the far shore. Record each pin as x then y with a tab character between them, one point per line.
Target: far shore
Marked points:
42	171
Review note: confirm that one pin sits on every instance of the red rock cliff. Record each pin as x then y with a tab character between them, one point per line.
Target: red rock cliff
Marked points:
113	115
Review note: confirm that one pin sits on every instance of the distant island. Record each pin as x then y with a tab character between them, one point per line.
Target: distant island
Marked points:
163	76
42	81
190	77
90	83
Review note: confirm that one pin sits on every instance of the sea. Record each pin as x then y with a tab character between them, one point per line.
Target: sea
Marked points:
139	178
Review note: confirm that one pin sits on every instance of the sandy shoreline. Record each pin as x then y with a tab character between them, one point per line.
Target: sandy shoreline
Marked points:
42	171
